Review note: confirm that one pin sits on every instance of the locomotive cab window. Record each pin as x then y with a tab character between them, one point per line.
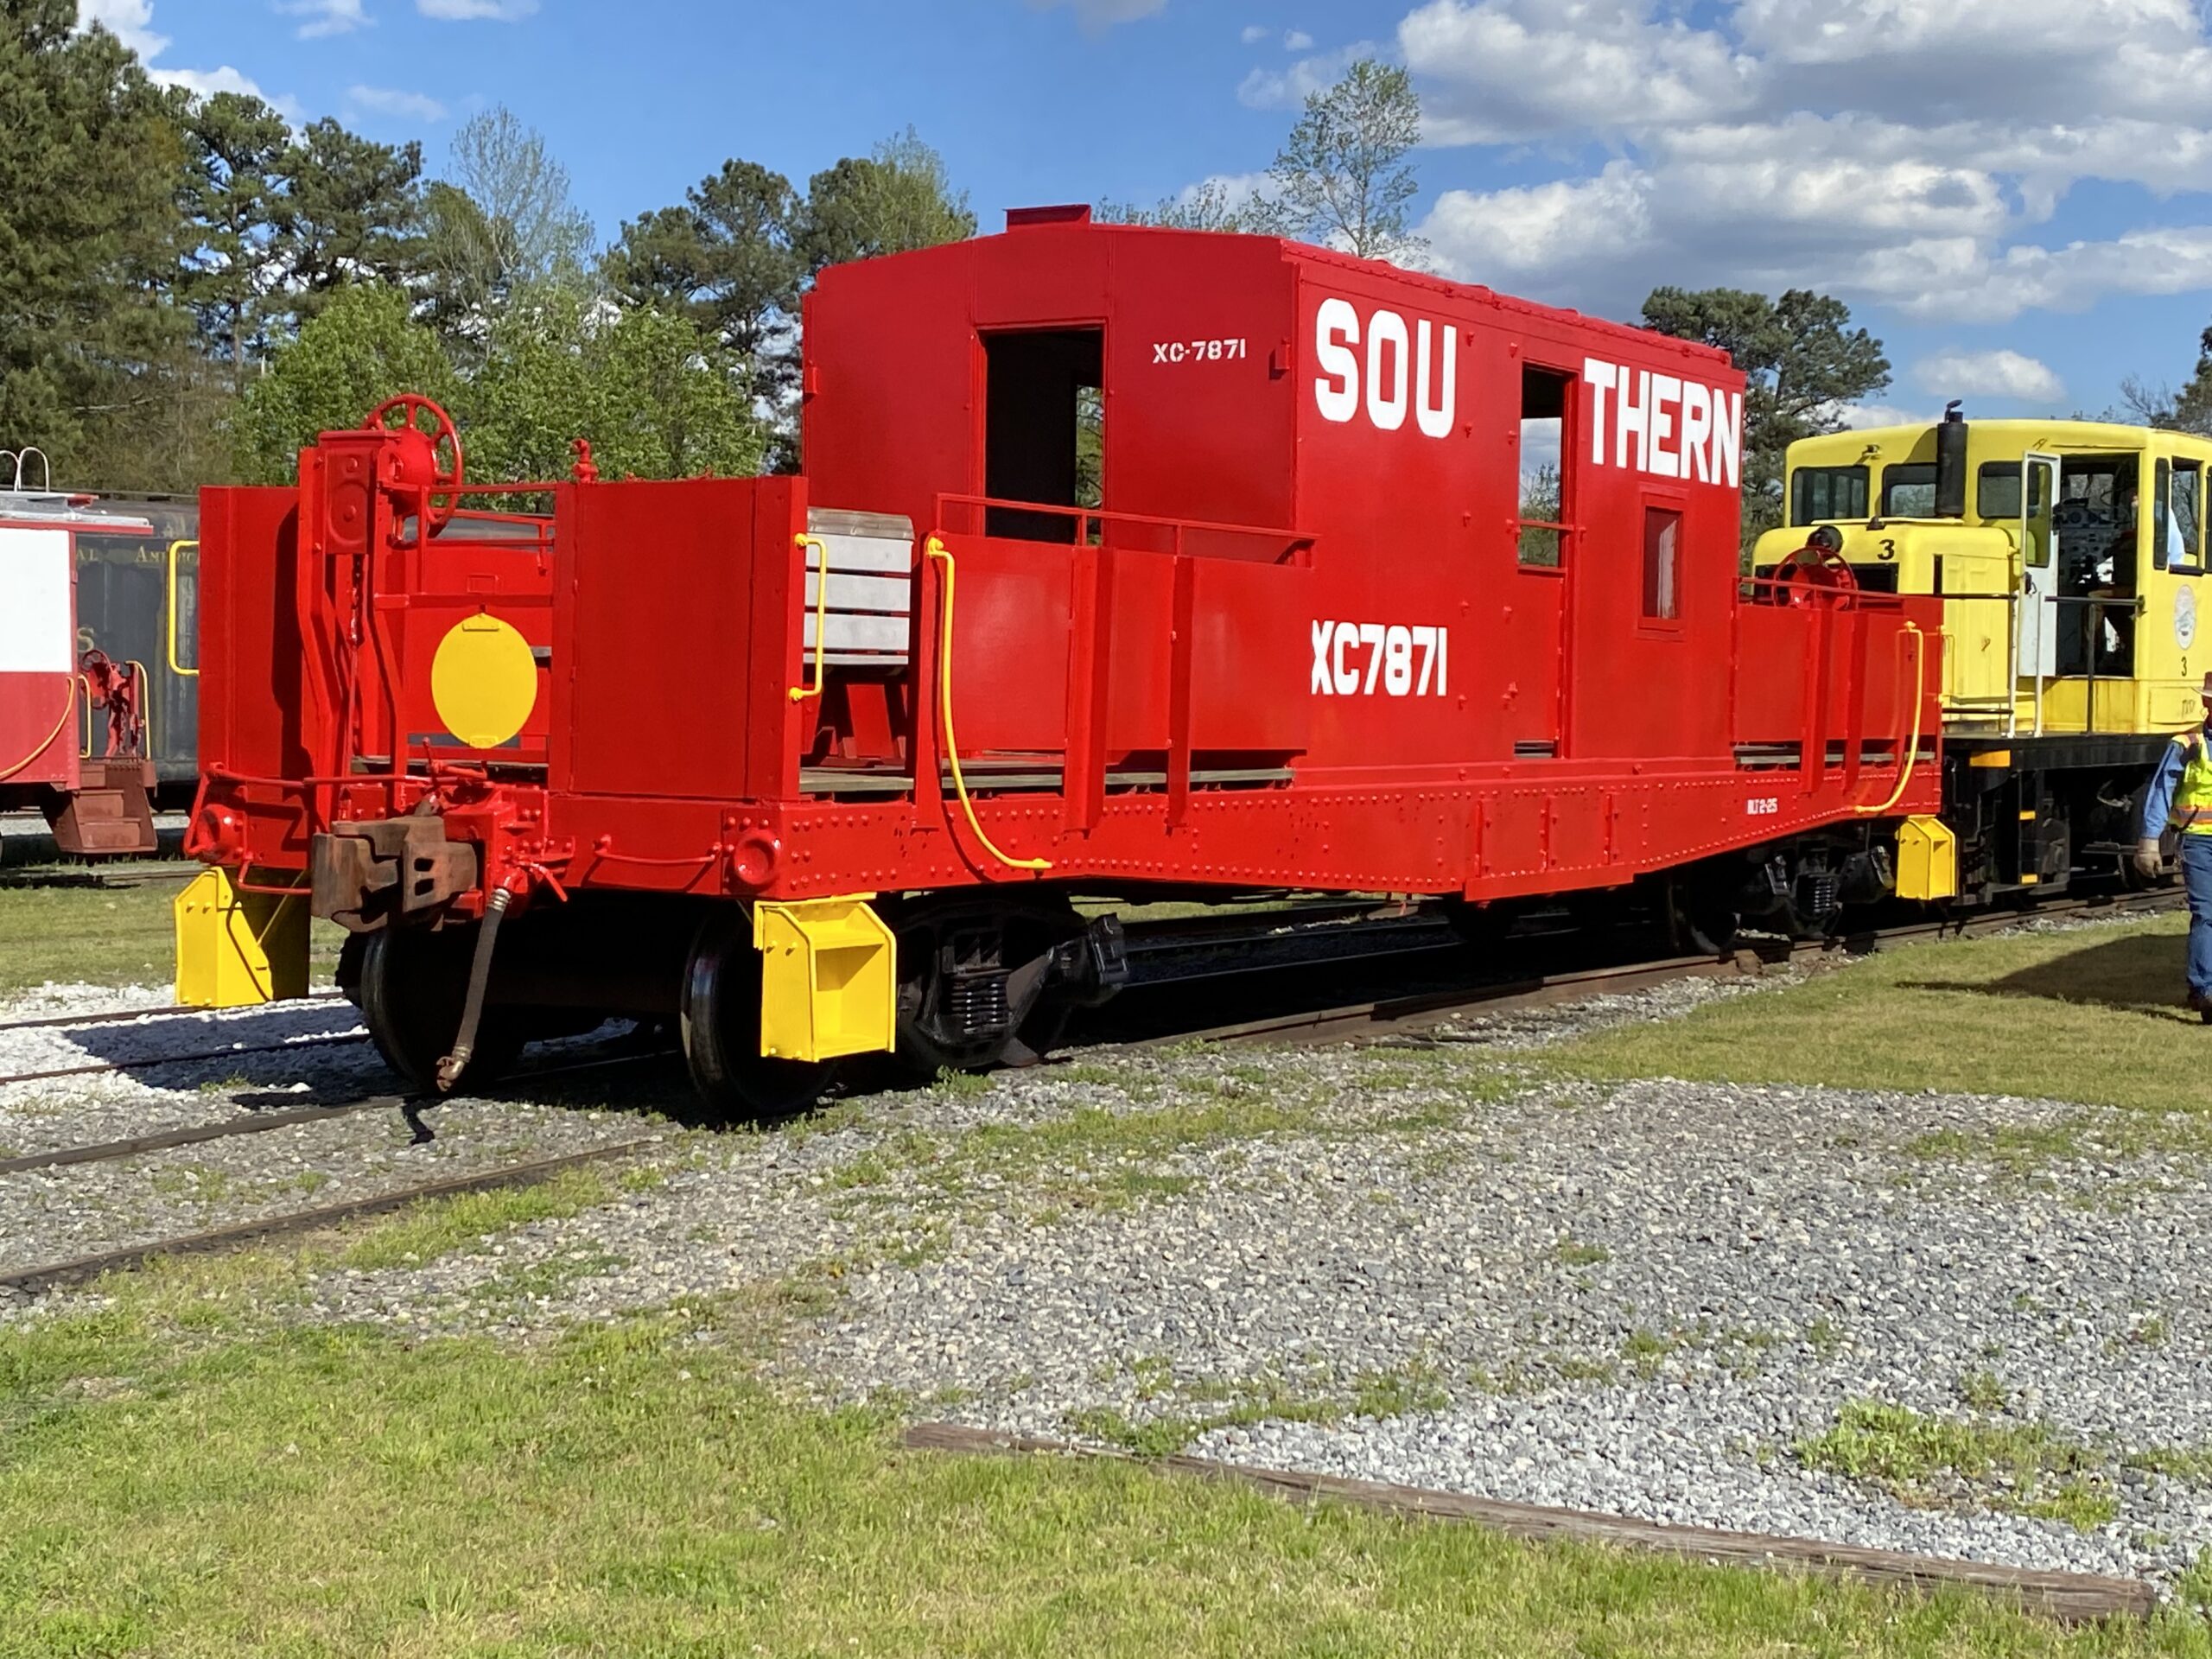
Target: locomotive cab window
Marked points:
1043	429
1662	538
1909	490
2179	546
1545	511
1823	494
1997	490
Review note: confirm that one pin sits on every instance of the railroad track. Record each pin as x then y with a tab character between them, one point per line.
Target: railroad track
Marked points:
1378	1018
1386	1016
35	1279
151	1011
237	1051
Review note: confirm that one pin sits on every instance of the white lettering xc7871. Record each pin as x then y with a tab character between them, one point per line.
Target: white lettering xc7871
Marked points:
1352	659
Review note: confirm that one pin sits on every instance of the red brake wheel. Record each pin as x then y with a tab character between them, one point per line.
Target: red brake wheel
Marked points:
441	438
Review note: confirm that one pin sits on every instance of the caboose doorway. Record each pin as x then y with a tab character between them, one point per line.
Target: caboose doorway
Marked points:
1044	437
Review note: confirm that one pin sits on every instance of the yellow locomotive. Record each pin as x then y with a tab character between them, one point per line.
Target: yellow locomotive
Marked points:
2069	555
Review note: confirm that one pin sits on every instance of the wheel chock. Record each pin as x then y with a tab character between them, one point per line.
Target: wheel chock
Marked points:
828	979
1928	859
238	950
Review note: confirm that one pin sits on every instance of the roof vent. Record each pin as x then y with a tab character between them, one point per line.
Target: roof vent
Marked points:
1025	218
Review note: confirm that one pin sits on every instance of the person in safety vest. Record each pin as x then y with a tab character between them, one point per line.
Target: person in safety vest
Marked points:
2180	798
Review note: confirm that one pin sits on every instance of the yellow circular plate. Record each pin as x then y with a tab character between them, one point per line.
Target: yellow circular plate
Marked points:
484	682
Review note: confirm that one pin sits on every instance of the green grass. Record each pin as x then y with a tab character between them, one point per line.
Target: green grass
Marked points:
2089	1017
2021	1466
425	1231
276	1489
108	936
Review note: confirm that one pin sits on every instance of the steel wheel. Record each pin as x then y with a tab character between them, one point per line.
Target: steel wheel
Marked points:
722	1029
413	983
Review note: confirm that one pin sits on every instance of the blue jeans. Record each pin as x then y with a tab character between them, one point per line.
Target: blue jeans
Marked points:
2196	879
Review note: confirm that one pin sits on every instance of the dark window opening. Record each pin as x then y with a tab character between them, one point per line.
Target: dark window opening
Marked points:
1909	490
1997	490
1819	495
1043	437
1543	514
1662	534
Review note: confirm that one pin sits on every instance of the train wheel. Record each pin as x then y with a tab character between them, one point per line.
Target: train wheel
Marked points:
412	984
722	1029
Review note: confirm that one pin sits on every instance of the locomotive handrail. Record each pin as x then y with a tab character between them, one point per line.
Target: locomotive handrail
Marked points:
934	548
145	706
1083	516
176	667
85	748
801	693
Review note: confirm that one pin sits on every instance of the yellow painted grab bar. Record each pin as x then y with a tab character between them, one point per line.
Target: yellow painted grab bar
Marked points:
937	549
1913	749
801	693
176	667
145	705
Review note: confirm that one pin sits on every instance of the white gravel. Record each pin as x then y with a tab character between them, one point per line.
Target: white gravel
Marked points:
1430	1265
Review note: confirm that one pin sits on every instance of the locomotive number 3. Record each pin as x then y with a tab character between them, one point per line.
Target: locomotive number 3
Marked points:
1352	659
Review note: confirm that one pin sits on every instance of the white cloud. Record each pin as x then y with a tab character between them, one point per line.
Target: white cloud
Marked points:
1297	40
1274	89
389	100
467	11
1254	33
1880	150
1093	15
326	17
1508	70
1989	374
131	21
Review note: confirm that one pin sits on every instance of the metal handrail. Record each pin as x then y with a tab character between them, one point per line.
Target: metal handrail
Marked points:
176	667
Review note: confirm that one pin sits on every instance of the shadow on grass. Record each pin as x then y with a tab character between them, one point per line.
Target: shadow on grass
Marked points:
2138	974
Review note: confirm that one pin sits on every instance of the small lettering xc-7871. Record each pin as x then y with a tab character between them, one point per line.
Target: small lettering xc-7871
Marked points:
1355	660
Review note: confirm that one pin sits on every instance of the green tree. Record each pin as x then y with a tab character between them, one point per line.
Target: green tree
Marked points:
725	259
1803	362
501	222
654	393
89	237
1340	178
1208	208
896	199
232	195
352	214
364	346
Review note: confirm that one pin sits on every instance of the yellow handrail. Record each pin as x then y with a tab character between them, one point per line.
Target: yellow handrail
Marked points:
937	549
801	693
176	667
145	703
1912	748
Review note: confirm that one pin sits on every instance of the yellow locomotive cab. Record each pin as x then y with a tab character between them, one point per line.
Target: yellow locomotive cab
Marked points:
2069	554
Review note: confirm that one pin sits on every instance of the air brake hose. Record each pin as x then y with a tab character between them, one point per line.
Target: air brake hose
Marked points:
471	1010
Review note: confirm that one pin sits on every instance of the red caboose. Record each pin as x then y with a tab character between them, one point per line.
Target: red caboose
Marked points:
1122	557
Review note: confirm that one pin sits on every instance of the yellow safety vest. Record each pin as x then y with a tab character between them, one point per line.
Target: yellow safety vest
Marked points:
2192	807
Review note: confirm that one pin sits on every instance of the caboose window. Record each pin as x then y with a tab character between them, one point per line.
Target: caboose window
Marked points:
1909	490
1038	445
1545	512
1662	534
1821	494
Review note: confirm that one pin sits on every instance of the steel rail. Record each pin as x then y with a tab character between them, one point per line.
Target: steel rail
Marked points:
152	1011
97	1068
54	1275
1385	1015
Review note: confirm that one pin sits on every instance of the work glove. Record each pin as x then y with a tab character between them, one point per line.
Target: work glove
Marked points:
2150	863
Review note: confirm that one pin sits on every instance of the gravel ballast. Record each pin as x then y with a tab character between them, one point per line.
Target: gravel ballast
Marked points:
1436	1264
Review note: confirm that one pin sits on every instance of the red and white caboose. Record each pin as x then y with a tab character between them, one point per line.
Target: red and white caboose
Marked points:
1122	557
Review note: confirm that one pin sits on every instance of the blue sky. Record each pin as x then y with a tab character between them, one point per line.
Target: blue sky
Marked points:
2023	235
